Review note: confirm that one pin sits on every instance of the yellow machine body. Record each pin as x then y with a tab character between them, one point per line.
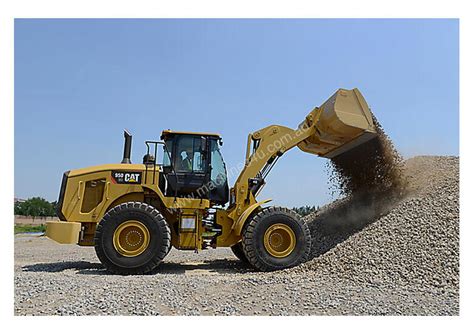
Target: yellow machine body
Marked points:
63	232
339	124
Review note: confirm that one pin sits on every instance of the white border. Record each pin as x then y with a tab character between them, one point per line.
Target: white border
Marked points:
235	9
6	164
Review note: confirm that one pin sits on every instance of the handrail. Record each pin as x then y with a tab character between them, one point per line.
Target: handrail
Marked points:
156	143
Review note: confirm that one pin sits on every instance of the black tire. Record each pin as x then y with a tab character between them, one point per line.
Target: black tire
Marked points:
253	239
158	246
238	251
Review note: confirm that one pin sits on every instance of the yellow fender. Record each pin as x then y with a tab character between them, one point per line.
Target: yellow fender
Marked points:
237	227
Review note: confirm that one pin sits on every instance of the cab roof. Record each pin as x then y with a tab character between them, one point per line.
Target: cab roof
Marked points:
168	132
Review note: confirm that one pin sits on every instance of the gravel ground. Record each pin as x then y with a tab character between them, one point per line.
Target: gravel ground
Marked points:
405	262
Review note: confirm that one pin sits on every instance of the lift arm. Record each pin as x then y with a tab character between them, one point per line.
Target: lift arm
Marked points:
343	122
264	147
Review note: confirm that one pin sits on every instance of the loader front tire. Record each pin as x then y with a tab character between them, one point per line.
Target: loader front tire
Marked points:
132	238
276	238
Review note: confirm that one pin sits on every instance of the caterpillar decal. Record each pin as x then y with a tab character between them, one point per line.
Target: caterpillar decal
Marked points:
122	177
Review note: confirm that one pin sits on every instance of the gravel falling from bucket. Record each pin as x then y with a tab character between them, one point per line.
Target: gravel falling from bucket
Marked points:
371	179
374	167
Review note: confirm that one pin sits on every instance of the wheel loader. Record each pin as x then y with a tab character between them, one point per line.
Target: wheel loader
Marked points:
134	213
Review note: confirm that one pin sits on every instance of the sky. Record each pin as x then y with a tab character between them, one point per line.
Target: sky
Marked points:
79	83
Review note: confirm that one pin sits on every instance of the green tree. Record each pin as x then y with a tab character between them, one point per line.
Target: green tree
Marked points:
305	210
35	206
55	207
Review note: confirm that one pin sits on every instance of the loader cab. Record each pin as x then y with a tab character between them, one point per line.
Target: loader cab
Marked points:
193	167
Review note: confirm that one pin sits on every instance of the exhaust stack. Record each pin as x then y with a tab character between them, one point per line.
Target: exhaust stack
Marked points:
127	148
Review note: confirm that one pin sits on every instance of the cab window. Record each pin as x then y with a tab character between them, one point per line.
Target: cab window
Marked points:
188	155
218	171
167	151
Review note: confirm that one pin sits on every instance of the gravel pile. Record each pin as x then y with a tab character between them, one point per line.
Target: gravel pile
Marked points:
414	243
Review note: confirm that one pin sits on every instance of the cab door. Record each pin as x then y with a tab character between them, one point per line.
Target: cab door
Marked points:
190	170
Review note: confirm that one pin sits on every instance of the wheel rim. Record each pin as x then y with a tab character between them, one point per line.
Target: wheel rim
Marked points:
279	240
131	238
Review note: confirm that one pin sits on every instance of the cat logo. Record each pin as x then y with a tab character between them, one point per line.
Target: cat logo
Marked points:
122	177
131	177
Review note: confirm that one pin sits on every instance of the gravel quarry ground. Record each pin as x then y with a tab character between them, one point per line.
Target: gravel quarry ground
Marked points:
404	261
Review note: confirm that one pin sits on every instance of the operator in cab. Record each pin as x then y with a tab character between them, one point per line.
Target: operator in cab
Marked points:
187	160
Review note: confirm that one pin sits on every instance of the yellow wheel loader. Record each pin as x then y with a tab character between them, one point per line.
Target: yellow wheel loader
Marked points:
134	213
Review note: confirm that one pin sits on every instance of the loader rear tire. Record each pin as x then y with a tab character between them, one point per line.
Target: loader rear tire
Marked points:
132	238
238	251
276	238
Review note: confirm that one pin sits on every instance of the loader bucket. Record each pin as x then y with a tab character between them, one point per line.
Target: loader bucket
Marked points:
343	122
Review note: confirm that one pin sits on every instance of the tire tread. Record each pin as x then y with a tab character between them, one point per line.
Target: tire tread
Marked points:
251	227
159	256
